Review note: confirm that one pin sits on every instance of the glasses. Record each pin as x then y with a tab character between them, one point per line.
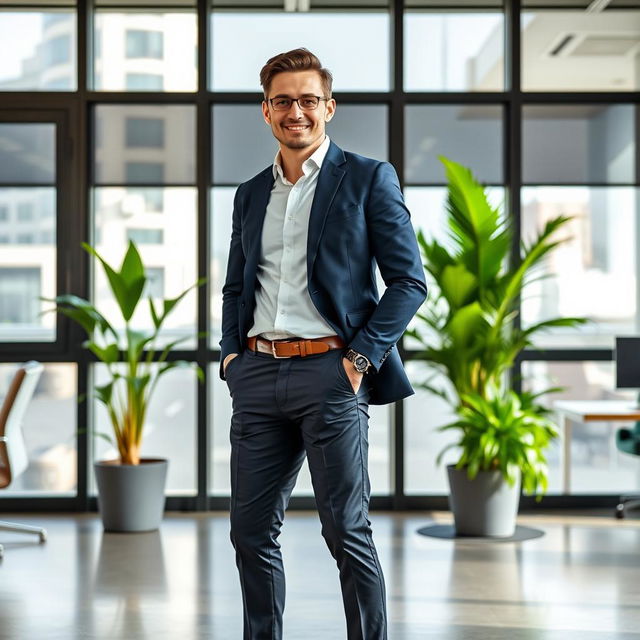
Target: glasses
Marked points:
306	103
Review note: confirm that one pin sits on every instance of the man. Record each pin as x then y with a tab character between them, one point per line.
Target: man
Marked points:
306	343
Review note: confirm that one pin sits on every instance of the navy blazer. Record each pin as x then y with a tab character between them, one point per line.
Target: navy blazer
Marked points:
358	218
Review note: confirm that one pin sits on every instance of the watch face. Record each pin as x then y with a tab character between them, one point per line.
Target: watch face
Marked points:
361	364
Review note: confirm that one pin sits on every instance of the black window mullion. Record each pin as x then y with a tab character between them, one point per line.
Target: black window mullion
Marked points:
204	151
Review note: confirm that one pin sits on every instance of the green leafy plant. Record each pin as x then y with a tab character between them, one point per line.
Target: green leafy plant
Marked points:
468	332
134	374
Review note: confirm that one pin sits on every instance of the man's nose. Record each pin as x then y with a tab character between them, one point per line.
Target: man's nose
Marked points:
295	109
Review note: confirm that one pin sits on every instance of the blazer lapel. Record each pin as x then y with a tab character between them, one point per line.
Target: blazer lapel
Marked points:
329	180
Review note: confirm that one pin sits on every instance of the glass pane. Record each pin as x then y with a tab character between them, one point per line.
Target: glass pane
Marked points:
170	430
594	274
145	51
241	153
579	144
423	414
580	50
471	135
428	214
166	238
27	153
243	42
38	51
596	464
49	429
454	51
144	144
27	264
220	485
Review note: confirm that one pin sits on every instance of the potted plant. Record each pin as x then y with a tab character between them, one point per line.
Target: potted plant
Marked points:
468	333
130	488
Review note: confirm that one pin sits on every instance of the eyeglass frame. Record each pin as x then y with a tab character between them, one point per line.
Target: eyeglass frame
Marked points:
319	98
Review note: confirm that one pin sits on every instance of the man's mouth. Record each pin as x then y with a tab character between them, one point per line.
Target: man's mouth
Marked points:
296	127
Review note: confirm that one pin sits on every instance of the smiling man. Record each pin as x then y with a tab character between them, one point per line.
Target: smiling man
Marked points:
307	343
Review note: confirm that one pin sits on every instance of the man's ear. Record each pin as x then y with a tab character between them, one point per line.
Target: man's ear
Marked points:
330	110
265	112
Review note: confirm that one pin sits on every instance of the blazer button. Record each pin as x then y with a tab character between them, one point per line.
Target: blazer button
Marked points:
242	304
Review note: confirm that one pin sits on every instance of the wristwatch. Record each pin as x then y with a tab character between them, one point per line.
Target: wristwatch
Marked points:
360	362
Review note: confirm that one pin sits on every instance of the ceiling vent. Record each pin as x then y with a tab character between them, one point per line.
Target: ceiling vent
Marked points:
572	45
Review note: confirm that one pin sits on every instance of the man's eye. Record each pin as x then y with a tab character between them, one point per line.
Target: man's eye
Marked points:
281	102
308	102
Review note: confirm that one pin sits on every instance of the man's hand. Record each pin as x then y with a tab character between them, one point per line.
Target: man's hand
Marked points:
354	376
226	362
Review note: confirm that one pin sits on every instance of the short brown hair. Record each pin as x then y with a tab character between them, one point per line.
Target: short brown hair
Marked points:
295	60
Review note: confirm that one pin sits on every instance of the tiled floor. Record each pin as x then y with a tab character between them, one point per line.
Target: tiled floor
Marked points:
580	581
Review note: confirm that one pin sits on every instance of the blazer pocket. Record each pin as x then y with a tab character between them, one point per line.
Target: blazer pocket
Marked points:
358	318
343	213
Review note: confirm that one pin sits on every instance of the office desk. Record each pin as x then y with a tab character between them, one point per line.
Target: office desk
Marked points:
589	411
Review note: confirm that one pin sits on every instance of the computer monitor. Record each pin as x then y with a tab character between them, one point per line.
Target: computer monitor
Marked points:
627	357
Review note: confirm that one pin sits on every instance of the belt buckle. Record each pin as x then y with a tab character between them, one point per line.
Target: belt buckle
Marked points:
273	351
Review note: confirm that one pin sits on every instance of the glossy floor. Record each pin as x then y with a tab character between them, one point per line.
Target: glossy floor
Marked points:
580	581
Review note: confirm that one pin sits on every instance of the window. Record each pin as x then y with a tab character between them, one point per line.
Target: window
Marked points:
166	242
155	281
58	50
25	212
145	172
145	51
27	153
454	51
52	450
34	43
232	163
576	50
144	44
579	144
145	132
469	134
19	291
27	262
146	236
4	213
242	42
144	82
145	144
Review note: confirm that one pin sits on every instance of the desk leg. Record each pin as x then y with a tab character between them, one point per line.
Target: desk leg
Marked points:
566	453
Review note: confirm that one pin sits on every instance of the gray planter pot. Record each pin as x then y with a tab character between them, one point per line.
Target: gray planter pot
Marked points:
131	497
484	506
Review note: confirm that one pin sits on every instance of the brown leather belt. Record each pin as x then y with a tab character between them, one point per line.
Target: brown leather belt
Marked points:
290	347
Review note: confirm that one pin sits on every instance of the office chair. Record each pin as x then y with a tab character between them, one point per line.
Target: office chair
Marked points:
628	441
13	451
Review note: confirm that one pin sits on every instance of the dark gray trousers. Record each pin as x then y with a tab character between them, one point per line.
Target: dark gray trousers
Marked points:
284	409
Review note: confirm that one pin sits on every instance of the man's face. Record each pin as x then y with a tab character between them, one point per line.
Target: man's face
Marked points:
297	128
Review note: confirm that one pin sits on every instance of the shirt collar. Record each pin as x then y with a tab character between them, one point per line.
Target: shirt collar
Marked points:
315	159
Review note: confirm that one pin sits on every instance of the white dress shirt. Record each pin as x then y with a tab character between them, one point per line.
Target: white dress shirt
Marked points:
283	306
